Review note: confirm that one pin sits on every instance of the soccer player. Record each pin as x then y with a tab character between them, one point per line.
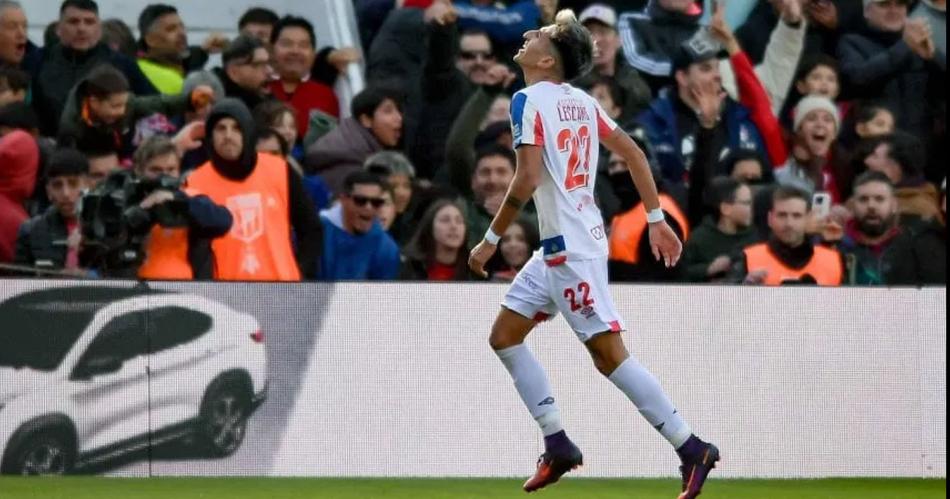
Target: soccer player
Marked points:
556	130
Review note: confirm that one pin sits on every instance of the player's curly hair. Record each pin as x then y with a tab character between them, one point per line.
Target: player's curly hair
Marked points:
574	43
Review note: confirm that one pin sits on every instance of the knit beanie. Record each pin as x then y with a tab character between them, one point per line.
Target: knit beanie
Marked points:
815	103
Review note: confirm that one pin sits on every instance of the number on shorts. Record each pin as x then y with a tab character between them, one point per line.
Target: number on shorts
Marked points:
578	149
571	296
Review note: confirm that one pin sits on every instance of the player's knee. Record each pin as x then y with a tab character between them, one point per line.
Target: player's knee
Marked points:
502	338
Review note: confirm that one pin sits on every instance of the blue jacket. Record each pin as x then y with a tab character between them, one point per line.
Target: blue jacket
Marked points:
372	256
659	124
504	25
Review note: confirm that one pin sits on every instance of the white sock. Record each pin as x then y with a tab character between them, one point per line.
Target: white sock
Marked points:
533	386
643	389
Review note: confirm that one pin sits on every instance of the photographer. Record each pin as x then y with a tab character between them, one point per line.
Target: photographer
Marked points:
178	253
142	224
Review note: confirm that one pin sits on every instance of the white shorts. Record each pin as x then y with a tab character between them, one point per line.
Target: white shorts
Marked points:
578	289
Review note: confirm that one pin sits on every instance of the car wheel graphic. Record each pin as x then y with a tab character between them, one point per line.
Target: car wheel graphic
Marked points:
40	453
224	414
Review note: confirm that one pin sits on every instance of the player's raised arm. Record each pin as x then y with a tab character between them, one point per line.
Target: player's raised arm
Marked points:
663	240
526	180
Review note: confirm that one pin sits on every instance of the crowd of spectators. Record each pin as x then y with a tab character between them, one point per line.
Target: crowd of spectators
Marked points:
793	141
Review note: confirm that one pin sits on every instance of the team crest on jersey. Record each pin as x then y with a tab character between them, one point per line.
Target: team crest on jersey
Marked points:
597	232
248	212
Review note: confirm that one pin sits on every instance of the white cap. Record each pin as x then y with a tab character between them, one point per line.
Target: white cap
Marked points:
815	103
601	13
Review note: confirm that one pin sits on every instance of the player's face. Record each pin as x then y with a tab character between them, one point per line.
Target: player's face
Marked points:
361	207
492	176
514	246
787	221
875	208
448	228
537	49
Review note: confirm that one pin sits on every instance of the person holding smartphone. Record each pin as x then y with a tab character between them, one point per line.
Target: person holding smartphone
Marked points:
789	257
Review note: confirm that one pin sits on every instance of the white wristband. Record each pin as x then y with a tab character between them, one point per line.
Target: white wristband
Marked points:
491	237
655	216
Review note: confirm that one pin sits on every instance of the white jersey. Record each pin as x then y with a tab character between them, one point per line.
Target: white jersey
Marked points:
568	124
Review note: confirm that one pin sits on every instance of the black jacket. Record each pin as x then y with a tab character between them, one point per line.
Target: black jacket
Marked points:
59	69
232	89
41	241
876	65
651	38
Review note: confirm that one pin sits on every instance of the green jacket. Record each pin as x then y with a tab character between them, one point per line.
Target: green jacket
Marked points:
707	243
74	130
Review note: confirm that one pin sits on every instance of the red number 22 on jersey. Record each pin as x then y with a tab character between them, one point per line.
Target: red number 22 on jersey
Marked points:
577	146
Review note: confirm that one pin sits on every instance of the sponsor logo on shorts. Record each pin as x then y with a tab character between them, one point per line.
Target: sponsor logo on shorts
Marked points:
597	232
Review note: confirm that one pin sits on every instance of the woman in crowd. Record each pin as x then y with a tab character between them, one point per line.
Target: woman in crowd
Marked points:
437	252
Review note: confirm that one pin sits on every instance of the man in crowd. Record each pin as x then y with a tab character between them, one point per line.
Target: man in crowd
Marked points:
356	247
295	45
80	50
652	37
714	246
51	241
166	57
789	257
673	121
261	191
888	61
13	41
601	21
878	251
244	71
177	253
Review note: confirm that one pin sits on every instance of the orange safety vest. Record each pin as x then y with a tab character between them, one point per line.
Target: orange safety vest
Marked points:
258	247
627	229
825	266
166	256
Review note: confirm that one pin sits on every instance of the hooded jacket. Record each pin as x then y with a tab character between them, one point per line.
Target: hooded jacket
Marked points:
60	68
307	230
74	129
19	160
652	36
341	152
878	65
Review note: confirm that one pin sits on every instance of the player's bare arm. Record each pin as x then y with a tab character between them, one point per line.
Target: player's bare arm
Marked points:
526	180
663	240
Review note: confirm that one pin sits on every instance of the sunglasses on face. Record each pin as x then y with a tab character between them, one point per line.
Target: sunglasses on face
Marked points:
362	201
471	55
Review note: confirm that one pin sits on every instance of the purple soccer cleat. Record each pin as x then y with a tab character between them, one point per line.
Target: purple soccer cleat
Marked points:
695	470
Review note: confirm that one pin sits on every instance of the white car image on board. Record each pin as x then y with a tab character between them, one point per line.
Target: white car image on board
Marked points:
90	373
